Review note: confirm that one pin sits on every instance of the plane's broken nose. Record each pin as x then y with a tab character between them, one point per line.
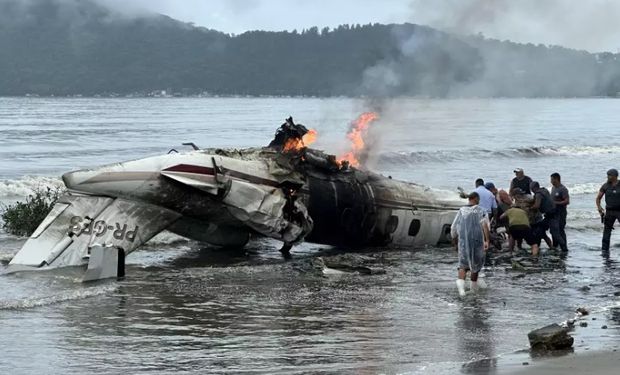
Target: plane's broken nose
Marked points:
77	179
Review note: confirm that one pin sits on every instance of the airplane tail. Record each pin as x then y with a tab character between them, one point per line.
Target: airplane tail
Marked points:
78	224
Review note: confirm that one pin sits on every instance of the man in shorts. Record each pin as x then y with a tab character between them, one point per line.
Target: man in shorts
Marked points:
519	228
471	234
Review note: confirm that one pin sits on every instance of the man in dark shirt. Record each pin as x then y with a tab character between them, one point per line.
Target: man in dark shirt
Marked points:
611	213
521	181
560	196
545	204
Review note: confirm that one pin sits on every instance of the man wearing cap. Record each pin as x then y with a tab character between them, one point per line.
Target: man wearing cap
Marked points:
470	234
611	213
521	181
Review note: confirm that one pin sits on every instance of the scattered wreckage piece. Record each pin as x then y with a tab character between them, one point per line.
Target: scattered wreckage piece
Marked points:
527	264
551	337
286	191
339	264
354	263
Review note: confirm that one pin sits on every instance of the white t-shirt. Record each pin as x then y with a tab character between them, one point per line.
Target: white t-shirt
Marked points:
487	199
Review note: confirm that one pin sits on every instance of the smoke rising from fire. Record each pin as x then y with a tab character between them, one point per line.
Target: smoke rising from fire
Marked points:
589	25
461	63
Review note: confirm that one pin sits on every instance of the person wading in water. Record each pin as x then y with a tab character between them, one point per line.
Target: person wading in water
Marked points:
471	235
611	213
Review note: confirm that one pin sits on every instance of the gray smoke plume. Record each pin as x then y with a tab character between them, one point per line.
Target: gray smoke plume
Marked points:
591	25
463	63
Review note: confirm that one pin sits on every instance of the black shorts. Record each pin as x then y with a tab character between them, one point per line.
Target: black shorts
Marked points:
522	232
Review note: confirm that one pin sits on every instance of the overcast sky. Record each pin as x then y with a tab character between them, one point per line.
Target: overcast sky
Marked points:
593	25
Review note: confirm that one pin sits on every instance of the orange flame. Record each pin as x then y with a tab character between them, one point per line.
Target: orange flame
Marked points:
359	129
297	144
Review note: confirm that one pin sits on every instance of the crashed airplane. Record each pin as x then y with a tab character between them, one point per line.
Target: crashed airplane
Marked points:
285	191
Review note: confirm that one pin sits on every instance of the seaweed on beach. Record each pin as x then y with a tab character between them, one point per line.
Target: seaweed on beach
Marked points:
23	218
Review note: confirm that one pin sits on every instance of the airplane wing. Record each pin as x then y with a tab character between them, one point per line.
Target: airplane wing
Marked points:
76	223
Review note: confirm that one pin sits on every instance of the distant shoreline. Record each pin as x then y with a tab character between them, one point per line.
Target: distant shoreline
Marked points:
130	96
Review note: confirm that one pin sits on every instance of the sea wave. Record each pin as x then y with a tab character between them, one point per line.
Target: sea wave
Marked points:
588	188
405	157
32	302
24	186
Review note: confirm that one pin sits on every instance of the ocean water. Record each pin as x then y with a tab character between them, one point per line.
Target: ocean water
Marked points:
184	307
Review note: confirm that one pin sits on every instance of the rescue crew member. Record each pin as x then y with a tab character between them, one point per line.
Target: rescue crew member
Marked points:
521	181
519	228
486	199
545	204
560	195
611	213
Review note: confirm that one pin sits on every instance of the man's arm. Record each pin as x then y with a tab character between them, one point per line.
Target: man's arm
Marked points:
487	234
462	192
565	201
598	201
537	202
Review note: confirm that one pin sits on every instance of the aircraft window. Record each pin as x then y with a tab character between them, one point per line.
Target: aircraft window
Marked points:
391	225
414	227
445	235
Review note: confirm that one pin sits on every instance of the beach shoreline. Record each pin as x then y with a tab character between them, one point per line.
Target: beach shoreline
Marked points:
596	350
598	362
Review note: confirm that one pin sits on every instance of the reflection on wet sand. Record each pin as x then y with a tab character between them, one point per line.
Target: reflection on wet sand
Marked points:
207	311
474	337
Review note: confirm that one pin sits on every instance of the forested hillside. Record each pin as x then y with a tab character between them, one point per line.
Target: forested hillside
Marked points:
53	47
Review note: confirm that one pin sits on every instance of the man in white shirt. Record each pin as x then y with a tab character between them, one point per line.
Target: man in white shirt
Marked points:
487	200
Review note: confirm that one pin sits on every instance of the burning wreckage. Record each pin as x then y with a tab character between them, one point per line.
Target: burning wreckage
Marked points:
285	191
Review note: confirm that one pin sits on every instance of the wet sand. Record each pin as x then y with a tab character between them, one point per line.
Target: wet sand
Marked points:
599	363
596	350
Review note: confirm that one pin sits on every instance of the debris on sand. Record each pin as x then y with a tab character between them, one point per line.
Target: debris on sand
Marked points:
314	266
551	337
353	263
536	265
523	263
582	311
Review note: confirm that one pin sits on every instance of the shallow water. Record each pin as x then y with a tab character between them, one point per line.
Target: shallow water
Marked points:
183	308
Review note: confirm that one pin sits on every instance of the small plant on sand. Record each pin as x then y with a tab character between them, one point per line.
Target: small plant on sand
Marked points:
23	218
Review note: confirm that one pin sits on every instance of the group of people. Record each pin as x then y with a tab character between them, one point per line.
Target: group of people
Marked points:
527	212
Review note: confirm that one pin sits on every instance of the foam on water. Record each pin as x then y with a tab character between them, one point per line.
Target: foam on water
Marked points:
26	185
69	295
442	155
587	188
